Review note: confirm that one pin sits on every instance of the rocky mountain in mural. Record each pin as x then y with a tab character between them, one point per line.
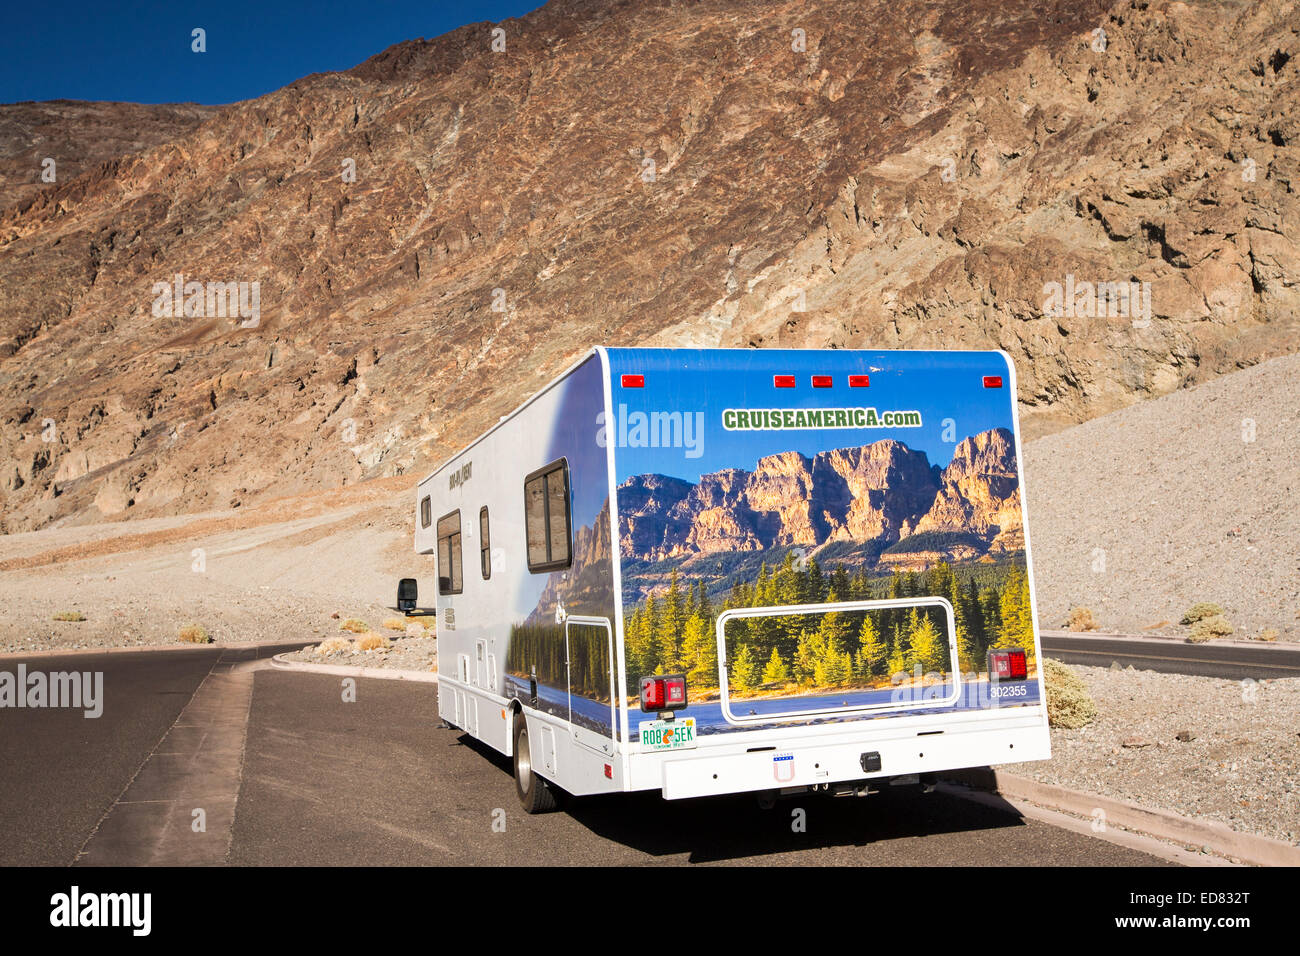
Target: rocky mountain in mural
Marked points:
864	499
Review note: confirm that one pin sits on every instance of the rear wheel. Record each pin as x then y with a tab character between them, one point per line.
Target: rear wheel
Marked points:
535	794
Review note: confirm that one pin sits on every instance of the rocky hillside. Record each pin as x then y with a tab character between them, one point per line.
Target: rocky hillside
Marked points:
43	144
868	498
437	232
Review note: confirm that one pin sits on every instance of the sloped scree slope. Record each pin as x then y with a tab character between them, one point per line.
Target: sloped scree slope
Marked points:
911	178
1192	497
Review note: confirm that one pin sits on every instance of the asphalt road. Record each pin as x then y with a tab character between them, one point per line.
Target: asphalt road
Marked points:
377	782
1233	661
62	770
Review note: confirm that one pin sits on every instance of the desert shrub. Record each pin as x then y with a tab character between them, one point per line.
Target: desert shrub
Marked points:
1268	634
195	634
1081	619
395	623
1069	704
355	626
1208	628
372	642
69	616
334	645
1200	611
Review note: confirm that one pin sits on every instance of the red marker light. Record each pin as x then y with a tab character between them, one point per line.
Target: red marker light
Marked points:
609	772
992	381
783	381
652	693
1008	664
859	381
663	693
634	381
821	381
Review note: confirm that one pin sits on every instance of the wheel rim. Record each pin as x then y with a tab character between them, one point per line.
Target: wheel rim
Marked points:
523	761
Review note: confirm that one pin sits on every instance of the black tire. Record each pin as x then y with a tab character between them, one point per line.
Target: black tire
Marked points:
536	794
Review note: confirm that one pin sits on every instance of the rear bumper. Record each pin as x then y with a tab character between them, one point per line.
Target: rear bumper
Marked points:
798	761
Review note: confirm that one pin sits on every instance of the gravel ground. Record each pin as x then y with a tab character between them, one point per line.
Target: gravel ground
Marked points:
415	651
1139	514
278	577
1241	767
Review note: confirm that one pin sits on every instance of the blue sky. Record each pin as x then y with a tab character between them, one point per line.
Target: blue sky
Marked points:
140	51
941	386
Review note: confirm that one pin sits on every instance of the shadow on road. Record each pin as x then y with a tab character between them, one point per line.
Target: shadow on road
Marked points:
720	829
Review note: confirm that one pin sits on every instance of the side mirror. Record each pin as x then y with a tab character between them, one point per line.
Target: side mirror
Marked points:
444	584
407	594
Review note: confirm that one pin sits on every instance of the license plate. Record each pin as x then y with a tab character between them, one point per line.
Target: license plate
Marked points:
668	734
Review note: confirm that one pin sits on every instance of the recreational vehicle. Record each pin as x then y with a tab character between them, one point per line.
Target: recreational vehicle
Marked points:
715	571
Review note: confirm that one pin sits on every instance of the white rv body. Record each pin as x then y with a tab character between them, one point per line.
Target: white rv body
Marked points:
677	492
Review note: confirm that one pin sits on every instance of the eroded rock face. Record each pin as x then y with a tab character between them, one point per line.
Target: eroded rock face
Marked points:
980	489
906	175
42	144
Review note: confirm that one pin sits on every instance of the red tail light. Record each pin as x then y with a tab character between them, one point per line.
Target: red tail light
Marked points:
821	381
992	381
859	381
663	693
1008	663
634	381
783	381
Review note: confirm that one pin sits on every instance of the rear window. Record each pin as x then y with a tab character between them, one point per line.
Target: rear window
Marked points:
547	518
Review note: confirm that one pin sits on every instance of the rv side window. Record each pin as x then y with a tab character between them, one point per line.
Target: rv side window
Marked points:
484	548
546	517
449	568
426	512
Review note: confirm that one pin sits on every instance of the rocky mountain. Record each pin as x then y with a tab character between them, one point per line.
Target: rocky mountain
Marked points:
868	497
437	232
42	144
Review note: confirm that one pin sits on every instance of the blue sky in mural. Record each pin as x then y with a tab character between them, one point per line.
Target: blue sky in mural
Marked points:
938	385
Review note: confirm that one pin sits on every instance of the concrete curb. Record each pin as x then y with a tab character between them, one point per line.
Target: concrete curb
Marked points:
1163	824
1129	839
224	647
384	673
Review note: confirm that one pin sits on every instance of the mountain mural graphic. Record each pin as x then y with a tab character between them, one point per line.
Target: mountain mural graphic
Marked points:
883	502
